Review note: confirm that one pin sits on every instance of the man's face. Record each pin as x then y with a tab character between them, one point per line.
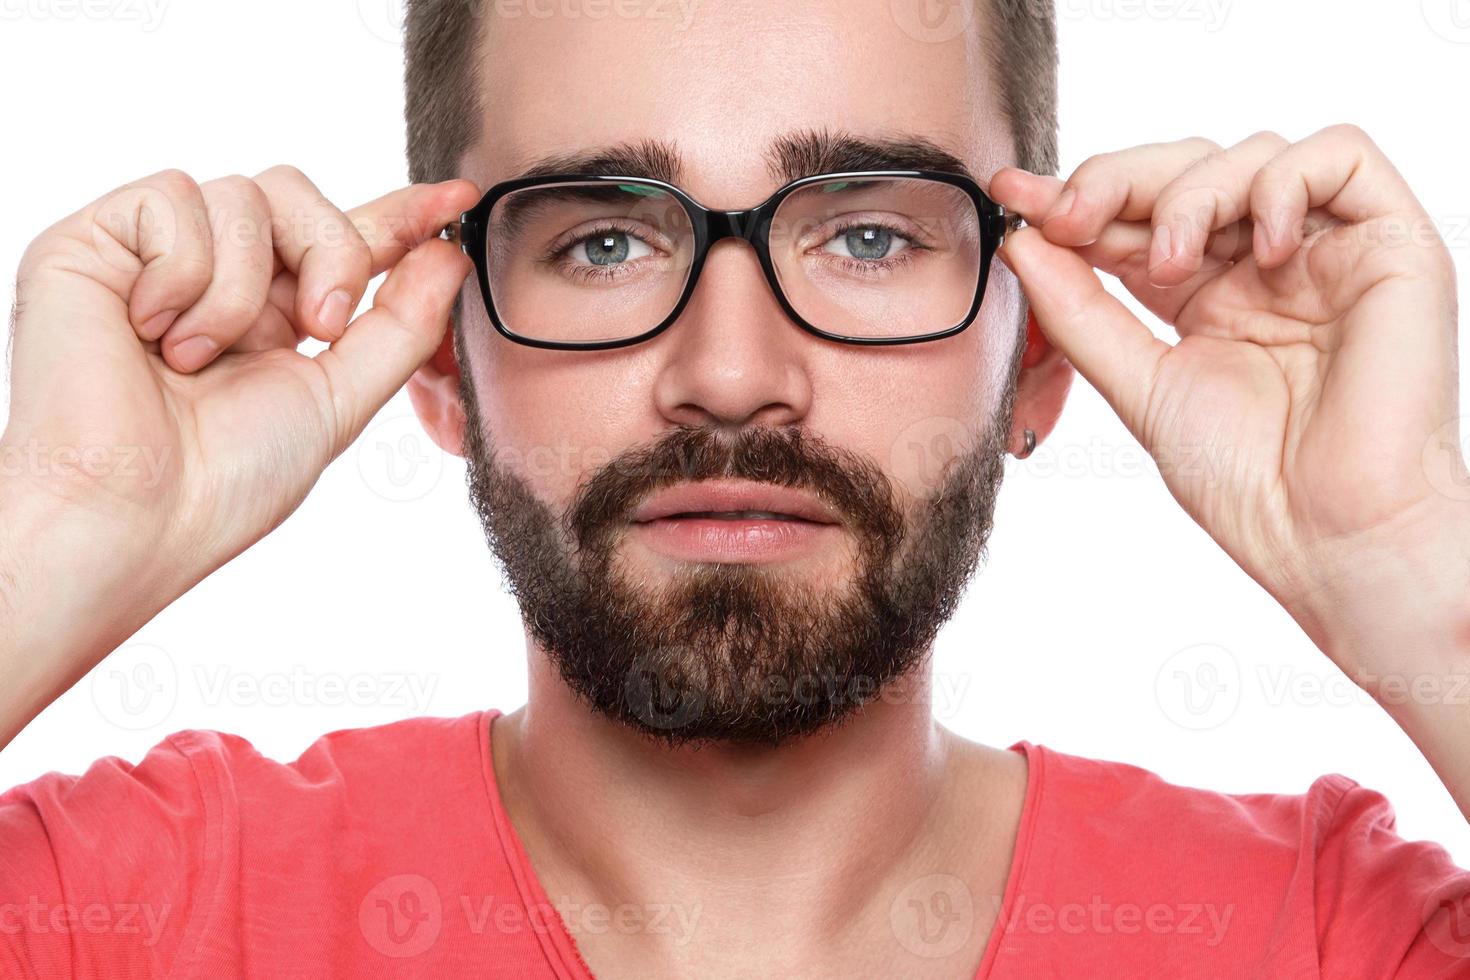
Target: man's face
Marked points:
564	446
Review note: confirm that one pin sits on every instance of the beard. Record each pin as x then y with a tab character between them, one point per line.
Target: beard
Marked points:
727	652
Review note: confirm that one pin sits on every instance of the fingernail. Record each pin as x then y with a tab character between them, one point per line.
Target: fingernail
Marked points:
158	324
1062	206
1161	250
1262	242
1281	228
334	312
191	354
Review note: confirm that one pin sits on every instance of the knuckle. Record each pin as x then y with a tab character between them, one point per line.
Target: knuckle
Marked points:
235	185
233	306
1202	144
246	222
1090	169
283	172
1199	204
1198	170
1445	266
242	190
328	227
173	183
1348	132
356	256
49	249
192	268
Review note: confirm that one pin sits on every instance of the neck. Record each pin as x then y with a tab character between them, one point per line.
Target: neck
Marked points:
794	844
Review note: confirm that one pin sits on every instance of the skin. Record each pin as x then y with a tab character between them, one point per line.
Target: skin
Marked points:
1321	365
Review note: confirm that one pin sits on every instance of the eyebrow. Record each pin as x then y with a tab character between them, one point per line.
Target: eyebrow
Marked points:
789	157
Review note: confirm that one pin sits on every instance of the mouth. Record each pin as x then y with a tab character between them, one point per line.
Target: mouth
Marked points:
734	500
730	515
734	522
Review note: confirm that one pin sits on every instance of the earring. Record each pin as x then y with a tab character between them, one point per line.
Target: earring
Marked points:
1030	438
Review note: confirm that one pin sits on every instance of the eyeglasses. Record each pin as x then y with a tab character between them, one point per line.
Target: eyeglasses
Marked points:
584	262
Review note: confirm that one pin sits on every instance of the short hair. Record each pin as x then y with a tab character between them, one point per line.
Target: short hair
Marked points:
443	103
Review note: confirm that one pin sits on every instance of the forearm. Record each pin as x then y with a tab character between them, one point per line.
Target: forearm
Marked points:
66	600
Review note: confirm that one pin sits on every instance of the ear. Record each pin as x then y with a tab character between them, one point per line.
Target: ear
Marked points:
1041	390
434	391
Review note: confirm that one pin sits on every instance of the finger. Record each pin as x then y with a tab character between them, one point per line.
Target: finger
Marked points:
386	345
1106	343
276	326
1109	186
398	221
317	243
1211	195
112	273
1122	247
171	220
1339	169
1123	251
239	215
147	241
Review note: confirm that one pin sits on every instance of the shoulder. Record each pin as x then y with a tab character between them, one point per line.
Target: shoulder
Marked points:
1135	797
390	750
206	832
200	779
1323	869
1106	808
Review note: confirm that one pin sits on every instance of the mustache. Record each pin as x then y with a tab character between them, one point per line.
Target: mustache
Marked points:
790	456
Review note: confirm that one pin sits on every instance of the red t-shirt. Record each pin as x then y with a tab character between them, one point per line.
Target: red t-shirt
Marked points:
385	852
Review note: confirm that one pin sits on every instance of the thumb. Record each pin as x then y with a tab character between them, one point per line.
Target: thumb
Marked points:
381	349
1106	343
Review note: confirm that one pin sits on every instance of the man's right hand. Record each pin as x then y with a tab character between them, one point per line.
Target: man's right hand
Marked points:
162	420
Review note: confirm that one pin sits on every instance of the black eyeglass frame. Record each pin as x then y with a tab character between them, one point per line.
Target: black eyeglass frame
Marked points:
710	226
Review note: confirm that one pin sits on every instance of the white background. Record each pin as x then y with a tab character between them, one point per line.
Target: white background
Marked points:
1103	608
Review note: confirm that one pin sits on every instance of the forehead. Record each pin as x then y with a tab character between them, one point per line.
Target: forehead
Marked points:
724	81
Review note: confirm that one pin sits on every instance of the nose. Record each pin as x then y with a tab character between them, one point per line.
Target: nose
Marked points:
733	357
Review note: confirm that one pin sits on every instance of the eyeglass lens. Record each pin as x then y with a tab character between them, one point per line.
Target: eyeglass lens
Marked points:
585	262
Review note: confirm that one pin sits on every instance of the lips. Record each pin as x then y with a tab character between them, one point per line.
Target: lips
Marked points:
733	500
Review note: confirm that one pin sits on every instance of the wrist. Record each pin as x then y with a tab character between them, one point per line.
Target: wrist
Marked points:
1393	604
68	597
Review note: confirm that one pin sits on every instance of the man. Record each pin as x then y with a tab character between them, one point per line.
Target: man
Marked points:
756	279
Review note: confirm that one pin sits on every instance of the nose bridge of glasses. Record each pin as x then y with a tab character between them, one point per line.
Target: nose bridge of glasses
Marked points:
734	224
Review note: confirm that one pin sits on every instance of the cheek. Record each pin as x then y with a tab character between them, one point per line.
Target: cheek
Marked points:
555	419
913	409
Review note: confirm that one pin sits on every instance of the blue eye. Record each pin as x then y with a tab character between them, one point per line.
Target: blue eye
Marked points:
610	248
866	242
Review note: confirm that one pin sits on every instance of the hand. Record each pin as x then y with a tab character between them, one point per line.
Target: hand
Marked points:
1316	310
162	419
